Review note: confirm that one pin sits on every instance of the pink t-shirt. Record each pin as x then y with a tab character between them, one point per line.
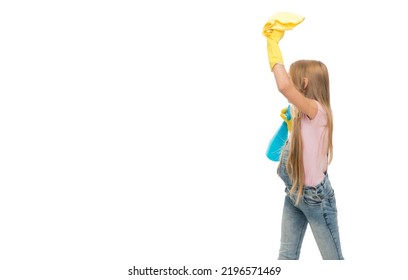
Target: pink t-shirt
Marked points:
315	146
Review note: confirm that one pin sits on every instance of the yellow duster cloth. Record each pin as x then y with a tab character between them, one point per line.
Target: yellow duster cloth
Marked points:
274	30
282	21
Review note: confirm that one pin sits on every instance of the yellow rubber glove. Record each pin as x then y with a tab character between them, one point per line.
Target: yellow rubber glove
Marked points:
274	52
274	30
283	116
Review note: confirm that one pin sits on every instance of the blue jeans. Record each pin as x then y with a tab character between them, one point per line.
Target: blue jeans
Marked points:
317	207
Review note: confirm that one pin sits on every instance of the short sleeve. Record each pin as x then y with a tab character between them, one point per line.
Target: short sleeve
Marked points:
321	116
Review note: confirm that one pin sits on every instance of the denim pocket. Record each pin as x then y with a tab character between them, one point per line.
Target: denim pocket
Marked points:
331	198
323	192
312	198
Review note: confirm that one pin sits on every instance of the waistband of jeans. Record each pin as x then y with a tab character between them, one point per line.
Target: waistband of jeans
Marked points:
322	183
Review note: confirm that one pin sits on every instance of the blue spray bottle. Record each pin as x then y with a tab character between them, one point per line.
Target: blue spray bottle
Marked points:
279	139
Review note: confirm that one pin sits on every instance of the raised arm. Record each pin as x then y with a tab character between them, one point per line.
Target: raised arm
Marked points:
286	87
274	30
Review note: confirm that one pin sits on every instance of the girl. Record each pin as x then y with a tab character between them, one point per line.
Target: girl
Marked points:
304	161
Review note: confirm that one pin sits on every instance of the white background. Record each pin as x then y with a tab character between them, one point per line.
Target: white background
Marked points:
133	133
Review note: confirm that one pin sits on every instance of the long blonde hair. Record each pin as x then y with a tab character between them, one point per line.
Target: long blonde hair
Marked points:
318	89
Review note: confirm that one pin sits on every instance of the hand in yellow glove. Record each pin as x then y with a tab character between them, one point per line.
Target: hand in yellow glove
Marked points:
274	30
285	118
274	52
